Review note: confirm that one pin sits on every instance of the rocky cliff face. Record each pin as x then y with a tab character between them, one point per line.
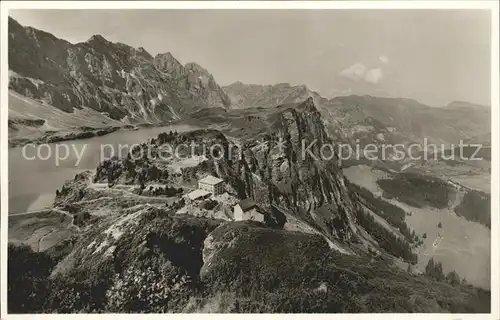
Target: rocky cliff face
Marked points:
121	82
279	170
285	168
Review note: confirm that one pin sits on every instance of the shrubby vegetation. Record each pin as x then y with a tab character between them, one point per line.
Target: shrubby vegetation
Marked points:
209	204
417	190
475	206
434	270
153	270
27	277
391	213
280	271
168	191
160	269
386	239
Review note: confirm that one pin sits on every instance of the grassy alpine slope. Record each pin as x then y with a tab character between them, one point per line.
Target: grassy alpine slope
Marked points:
236	267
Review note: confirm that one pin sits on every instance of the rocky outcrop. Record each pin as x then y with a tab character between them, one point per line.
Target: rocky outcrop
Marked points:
286	169
121	82
280	171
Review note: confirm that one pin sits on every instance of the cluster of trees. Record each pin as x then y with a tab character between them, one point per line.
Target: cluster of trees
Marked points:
110	170
475	206
166	137
417	190
177	204
386	239
391	213
209	204
136	171
434	270
191	173
142	172
164	191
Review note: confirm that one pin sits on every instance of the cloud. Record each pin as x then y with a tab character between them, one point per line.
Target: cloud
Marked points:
359	72
384	59
374	75
355	72
335	92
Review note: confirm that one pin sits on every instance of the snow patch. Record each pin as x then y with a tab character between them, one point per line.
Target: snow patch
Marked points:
110	251
92	244
101	247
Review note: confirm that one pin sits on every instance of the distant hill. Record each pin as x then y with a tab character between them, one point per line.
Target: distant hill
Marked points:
375	119
411	121
265	96
464	104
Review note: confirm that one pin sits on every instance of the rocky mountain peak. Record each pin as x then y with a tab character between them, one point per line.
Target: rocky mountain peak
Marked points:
144	53
166	56
13	24
97	38
309	105
168	63
194	67
117	80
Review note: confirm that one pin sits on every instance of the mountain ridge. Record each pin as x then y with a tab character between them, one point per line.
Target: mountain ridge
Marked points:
390	120
130	85
120	81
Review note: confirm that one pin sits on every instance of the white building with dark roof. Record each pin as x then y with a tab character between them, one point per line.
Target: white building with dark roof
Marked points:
197	194
211	184
247	209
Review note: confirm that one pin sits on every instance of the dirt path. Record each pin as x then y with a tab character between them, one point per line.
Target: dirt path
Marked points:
456	201
42	237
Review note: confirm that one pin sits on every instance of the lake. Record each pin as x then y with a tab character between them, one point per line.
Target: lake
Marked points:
32	183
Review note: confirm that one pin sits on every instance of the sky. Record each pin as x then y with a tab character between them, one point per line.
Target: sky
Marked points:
433	56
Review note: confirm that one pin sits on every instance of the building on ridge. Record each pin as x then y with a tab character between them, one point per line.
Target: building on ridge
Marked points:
247	209
211	184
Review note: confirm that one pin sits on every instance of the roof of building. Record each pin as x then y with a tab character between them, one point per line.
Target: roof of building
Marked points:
247	204
211	180
196	194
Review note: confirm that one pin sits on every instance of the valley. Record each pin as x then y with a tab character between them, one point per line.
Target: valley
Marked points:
98	212
460	245
163	230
